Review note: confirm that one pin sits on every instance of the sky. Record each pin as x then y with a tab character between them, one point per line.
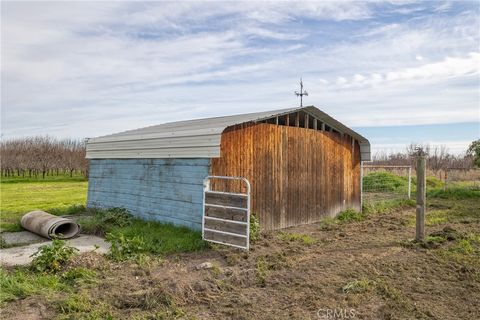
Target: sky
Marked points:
397	72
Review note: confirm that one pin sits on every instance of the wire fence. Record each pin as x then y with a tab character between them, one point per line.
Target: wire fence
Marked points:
460	177
386	182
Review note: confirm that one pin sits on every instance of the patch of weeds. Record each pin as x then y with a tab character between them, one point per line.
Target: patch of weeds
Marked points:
12	227
169	312
161	238
328	223
431	182
254	228
261	271
296	237
389	292
232	259
464	252
50	258
447	233
157	238
150	299
22	283
104	221
450	211
350	215
123	248
358	286
436	217
80	306
67	211
457	193
78	276
270	262
393	296
434	240
3	243
386	206
385	181
215	270
468	245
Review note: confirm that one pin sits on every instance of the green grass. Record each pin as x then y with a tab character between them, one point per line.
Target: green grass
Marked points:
456	193
386	206
387	182
55	195
154	237
22	283
296	237
442	211
350	215
163	239
49	178
370	208
358	286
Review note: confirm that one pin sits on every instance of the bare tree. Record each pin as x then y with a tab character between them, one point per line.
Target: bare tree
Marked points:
42	155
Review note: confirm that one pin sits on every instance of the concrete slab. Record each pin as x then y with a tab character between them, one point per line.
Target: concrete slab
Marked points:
21	238
23	255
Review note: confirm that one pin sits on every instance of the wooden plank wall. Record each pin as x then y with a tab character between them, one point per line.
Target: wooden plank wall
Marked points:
298	175
166	190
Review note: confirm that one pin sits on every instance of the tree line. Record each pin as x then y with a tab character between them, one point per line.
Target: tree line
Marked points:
438	157
41	156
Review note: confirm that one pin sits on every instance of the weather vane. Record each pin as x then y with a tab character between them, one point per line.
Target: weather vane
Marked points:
301	93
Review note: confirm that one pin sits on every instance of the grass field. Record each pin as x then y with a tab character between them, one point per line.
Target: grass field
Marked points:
56	194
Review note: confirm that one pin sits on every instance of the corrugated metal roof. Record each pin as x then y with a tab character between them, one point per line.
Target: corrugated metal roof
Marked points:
198	138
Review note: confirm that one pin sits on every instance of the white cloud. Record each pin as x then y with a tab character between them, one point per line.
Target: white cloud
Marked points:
449	67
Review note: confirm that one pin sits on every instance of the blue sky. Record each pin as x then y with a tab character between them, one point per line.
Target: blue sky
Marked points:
397	71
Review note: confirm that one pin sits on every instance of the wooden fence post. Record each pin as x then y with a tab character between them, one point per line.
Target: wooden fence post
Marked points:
421	197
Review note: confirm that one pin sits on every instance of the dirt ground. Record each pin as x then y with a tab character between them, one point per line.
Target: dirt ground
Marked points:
284	279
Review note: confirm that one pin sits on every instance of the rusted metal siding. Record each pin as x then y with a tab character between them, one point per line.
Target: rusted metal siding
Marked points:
298	175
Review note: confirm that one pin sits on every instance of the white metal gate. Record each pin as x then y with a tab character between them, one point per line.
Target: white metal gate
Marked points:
226	215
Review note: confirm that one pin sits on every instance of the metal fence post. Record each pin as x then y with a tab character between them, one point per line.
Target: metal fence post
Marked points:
421	197
409	182
361	186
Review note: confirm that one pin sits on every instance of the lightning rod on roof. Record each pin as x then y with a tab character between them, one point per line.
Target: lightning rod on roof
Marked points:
301	93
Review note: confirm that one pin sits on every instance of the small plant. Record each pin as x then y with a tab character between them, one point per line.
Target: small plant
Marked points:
350	215
265	264
328	223
358	286
50	258
81	306
119	217
261	271
104	221
254	228
296	237
3	243
123	248
78	275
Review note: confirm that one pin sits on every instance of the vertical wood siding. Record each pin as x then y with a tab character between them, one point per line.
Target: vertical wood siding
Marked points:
298	175
166	190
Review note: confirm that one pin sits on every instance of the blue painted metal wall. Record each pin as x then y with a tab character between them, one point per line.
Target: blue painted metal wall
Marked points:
166	190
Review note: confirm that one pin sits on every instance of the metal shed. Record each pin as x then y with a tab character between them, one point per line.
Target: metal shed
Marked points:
302	165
